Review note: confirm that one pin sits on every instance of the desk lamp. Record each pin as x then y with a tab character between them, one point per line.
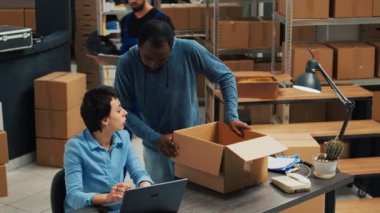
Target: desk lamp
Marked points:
309	82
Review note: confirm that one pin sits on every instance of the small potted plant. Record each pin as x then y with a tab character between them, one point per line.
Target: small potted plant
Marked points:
325	164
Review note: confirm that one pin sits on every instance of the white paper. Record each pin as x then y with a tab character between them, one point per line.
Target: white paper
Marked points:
278	163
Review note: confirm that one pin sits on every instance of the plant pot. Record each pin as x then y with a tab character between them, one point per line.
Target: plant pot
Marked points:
324	169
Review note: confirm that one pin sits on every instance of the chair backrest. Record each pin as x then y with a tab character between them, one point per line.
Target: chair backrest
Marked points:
58	192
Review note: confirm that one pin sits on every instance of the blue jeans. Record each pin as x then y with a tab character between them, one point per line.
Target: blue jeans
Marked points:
159	167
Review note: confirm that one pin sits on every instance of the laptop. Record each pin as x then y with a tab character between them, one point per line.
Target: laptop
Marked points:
162	197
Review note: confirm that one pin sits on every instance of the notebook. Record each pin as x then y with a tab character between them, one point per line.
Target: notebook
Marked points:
162	197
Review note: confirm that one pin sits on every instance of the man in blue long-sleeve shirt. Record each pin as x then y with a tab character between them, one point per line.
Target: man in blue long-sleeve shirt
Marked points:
158	77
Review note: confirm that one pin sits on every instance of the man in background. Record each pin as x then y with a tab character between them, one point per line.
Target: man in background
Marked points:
132	22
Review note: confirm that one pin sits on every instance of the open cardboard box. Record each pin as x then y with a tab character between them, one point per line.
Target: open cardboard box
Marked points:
213	156
256	84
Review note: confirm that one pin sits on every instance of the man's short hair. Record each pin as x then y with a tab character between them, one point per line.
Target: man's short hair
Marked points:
96	105
157	32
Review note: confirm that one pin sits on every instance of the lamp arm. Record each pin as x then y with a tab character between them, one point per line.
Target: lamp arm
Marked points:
349	105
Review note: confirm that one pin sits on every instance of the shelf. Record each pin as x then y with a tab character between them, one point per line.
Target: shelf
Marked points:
190	34
328	21
367	82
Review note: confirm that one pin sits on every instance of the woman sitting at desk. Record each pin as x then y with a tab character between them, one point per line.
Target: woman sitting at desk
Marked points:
96	161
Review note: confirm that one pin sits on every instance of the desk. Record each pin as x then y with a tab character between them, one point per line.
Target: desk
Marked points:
261	198
361	96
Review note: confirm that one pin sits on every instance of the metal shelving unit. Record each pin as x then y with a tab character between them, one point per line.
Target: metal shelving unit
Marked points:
289	23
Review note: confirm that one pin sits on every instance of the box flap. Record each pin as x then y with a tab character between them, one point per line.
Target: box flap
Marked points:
253	149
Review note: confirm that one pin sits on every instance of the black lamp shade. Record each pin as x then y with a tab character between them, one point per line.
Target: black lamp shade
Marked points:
309	81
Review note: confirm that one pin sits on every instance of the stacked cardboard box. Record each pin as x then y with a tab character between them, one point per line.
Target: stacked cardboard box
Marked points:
353	60
4	158
18	17
376	8
310	9
351	8
85	23
302	52
1	117
58	97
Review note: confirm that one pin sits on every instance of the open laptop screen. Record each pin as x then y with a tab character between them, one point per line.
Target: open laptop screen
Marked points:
162	197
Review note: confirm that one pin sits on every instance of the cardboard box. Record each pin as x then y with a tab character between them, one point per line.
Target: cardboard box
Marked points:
58	124
376	8
377	57
87	5
351	8
309	9
179	14
50	152
353	60
213	156
197	17
3	181
14	17
30	19
256	84
239	65
4	156
1	117
301	55
260	34
233	34
70	87
301	144
376	106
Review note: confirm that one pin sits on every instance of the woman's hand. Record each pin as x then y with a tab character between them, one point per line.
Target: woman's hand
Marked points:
145	184
116	194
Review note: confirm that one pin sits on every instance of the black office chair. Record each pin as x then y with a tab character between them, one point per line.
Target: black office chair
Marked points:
58	192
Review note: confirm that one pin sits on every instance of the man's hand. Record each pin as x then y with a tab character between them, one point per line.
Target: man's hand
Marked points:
238	126
167	146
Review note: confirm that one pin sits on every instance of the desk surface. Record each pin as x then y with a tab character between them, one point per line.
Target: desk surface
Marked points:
288	95
323	129
261	198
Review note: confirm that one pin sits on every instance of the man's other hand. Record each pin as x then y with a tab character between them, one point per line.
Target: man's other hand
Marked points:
238	126
167	146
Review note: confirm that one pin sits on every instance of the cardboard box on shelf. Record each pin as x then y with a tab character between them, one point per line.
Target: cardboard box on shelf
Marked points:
351	8
303	52
233	34
196	16
1	117
70	87
14	17
50	152
30	18
3	181
179	14
377	56
239	65
256	84
376	8
376	106
260	34
4	156
87	5
57	123
353	60
310	9
223	157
